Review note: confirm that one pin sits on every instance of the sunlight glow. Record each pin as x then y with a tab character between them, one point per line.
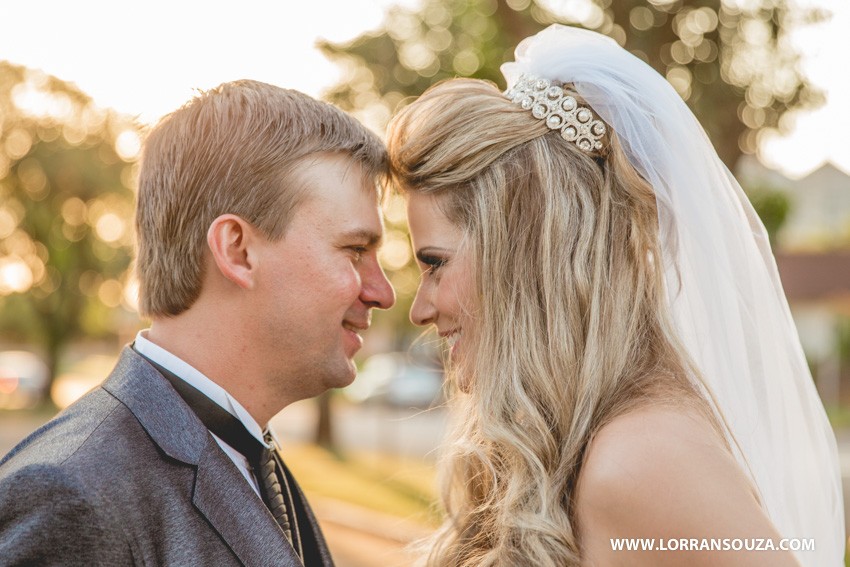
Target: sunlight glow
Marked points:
128	145
395	253
15	275
130	299
110	227
147	79
37	103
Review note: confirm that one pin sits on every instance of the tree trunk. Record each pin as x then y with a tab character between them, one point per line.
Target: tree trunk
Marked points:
324	425
52	352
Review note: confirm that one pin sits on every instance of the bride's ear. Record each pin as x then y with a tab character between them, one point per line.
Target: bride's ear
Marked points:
229	238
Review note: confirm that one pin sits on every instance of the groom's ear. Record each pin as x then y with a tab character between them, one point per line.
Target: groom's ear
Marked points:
229	238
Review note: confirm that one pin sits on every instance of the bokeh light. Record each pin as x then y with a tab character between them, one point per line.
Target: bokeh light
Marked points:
110	227
15	275
128	144
395	253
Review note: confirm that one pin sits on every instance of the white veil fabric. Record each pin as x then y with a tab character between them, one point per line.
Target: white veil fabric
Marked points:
726	299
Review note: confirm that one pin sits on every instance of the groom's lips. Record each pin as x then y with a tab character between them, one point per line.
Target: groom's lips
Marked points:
352	331
352	326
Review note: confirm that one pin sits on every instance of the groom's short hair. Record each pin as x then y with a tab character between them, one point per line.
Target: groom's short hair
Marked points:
232	149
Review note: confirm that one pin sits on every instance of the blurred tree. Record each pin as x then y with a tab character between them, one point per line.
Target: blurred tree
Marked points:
731	60
772	206
65	204
842	340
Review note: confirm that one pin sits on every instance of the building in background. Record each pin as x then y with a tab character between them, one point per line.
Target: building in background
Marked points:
813	256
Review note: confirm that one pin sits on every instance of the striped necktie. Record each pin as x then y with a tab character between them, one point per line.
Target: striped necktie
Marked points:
269	474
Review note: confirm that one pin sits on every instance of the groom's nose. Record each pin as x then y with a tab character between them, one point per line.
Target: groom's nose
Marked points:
376	290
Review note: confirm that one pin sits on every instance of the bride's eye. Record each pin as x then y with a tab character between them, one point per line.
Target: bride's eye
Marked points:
432	263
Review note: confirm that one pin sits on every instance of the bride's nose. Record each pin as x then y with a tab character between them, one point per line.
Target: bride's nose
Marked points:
423	312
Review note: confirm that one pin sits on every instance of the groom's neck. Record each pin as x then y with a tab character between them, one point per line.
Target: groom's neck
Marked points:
221	351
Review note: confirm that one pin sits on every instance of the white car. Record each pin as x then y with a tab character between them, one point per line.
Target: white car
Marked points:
23	379
394	379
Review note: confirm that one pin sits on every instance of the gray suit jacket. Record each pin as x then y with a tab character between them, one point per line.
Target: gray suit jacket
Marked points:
128	475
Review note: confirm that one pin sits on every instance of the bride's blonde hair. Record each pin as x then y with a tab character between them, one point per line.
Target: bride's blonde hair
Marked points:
572	326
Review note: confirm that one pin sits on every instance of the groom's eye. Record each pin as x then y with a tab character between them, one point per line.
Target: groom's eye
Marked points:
358	251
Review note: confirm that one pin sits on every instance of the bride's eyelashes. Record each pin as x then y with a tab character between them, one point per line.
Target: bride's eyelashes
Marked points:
431	263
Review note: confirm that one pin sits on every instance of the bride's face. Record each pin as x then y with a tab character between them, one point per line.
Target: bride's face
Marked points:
445	294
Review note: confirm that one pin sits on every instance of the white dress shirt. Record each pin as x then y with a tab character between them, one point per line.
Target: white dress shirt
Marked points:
213	391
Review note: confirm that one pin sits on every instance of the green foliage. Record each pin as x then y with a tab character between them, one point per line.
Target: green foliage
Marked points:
729	60
65	205
416	49
842	341
772	207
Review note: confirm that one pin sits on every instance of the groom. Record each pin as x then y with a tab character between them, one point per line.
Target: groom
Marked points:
258	227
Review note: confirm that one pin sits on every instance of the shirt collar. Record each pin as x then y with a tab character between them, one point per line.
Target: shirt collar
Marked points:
195	378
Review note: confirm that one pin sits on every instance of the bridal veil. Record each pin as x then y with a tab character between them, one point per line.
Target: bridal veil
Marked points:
725	296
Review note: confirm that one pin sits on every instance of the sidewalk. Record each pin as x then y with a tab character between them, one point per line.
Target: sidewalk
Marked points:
359	537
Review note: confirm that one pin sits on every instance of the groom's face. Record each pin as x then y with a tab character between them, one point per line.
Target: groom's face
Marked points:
318	284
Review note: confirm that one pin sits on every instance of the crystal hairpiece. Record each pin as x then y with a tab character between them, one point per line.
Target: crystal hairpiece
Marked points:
550	102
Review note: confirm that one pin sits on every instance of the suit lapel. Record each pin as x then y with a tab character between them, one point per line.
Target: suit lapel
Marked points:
236	512
221	493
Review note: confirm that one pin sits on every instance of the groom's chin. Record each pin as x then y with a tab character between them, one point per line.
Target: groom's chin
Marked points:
340	377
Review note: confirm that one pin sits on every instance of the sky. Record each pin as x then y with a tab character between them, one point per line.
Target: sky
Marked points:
824	134
147	58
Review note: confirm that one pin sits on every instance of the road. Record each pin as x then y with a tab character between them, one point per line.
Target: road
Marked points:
351	547
14	426
397	431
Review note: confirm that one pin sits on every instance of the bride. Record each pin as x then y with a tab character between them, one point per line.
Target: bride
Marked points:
624	356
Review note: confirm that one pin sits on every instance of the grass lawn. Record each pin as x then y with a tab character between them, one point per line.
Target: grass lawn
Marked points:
839	416
403	488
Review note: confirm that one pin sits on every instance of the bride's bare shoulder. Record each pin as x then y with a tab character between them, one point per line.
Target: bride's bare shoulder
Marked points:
663	472
653	443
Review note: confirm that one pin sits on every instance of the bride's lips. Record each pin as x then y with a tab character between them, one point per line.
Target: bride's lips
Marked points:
452	339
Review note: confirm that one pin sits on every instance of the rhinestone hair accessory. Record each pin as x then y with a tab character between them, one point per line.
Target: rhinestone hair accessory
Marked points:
548	101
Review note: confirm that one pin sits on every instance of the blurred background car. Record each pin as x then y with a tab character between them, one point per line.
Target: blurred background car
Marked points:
395	379
23	379
80	377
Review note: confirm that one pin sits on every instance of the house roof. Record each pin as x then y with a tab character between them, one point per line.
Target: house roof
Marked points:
816	278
